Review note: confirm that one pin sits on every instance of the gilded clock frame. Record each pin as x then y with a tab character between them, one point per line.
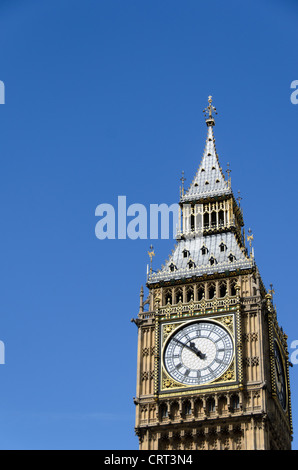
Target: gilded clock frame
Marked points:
168	322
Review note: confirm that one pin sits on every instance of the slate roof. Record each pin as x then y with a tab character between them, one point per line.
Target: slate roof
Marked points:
178	265
209	179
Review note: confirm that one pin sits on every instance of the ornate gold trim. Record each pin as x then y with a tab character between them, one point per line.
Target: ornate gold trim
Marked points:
197	308
167	328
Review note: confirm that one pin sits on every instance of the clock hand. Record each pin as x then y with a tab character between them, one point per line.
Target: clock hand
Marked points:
192	347
197	351
182	344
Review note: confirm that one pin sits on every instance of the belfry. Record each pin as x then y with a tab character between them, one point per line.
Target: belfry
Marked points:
213	362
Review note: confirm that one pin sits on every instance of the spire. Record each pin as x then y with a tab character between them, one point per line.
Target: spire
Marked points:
209	179
209	240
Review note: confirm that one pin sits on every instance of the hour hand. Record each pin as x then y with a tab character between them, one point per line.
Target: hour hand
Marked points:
195	350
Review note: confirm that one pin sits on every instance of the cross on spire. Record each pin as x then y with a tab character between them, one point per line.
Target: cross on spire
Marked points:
208	112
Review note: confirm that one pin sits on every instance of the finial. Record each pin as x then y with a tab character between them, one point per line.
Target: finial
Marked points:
182	179
271	291
250	238
141	299
208	113
239	198
228	171
151	254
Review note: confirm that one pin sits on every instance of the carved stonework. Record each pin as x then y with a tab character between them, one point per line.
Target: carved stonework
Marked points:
252	361
228	375
213	361
168	383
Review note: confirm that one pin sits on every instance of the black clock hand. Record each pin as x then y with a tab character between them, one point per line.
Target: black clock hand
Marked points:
180	342
192	348
198	353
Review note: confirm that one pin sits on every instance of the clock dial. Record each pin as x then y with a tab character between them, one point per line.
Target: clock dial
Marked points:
198	353
280	381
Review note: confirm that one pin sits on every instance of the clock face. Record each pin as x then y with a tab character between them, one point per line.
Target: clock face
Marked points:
280	380
198	353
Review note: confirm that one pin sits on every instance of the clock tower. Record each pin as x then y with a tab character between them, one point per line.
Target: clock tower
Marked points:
213	363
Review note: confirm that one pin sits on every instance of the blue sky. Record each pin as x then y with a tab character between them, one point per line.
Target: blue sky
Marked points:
105	98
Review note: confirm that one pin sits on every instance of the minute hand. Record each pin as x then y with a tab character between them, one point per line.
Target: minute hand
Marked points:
192	348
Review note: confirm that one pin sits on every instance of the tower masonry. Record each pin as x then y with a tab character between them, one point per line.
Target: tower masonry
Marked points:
212	361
